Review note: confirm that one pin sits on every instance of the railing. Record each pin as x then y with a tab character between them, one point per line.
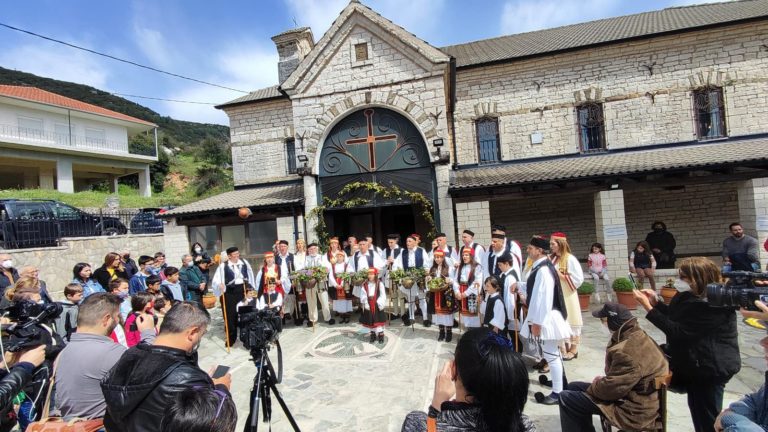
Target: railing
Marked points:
38	227
44	138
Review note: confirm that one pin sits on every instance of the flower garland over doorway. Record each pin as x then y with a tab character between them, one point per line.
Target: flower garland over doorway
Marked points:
388	192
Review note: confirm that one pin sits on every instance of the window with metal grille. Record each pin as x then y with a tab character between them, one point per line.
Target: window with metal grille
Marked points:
709	112
488	149
361	51
290	155
591	127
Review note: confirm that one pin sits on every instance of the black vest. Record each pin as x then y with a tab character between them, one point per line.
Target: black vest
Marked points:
419	258
229	274
288	260
491	302
502	278
558	303
368	257
492	264
393	252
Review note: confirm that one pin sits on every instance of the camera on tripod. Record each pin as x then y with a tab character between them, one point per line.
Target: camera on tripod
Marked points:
259	328
27	331
740	291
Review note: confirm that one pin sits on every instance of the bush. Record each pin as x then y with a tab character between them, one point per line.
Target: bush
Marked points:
623	285
586	288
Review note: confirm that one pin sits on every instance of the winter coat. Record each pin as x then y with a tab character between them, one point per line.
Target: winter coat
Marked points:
190	279
702	340
456	417
103	277
140	387
626	394
10	385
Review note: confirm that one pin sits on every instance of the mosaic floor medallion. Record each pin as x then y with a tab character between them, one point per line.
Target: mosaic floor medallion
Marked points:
351	344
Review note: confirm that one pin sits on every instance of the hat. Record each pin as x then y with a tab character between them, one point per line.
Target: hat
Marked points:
313	244
415	237
393	236
373	270
468	250
231	250
285	242
497	236
269	254
617	314
539	242
558	235
466	231
439	253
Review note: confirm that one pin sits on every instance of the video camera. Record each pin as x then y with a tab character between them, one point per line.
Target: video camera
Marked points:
27	330
258	328
740	291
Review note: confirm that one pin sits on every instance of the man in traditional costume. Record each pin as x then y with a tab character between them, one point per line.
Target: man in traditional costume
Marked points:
414	256
389	255
478	252
467	286
363	259
338	291
235	274
494	252
287	263
441	303
319	291
451	253
511	246
373	297
545	323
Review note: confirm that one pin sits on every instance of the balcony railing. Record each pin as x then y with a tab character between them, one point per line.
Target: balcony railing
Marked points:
37	137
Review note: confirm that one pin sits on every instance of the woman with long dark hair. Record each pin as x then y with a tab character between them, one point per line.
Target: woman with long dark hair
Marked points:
81	275
702	340
111	269
484	389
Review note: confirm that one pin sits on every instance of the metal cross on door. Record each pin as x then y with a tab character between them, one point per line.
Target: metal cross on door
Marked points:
371	140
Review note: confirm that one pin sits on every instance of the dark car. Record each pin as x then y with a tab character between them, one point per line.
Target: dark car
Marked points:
146	221
30	223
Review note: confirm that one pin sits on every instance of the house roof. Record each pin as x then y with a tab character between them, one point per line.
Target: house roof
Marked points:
34	94
272	92
253	198
592	166
604	31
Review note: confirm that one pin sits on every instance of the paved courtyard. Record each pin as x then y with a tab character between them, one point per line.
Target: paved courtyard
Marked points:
334	380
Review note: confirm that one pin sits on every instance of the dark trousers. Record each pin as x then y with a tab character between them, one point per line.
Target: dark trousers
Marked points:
705	400
230	298
576	409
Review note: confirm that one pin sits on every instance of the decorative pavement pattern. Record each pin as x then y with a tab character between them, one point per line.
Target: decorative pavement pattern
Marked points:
335	380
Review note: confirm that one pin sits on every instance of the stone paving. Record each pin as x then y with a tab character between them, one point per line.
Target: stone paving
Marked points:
334	380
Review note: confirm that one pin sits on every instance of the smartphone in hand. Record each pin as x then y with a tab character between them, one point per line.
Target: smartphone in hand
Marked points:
220	371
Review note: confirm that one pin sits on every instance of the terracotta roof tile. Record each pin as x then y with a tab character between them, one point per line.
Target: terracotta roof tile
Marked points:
35	94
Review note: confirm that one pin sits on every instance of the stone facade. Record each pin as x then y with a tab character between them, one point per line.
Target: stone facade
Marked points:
56	263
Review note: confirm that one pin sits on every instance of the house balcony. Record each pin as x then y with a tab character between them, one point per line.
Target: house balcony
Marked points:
20	137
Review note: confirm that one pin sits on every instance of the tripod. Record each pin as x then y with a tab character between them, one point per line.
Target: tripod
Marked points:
264	384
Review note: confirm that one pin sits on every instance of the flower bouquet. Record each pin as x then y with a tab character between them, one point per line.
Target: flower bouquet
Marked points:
418	274
346	280
360	277
395	276
437	284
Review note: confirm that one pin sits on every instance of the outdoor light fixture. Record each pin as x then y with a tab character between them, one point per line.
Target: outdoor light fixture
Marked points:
302	158
438	142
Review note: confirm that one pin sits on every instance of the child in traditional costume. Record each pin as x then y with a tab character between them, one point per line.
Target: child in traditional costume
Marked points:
495	312
340	294
441	303
271	298
466	287
373	297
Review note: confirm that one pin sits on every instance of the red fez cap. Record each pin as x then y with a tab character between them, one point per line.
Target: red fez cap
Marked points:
439	253
558	235
269	254
468	250
373	270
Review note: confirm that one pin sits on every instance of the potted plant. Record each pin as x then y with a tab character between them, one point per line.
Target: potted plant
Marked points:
623	288
209	300
585	292
360	277
668	290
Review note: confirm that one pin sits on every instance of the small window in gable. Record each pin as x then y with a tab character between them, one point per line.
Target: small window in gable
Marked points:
361	51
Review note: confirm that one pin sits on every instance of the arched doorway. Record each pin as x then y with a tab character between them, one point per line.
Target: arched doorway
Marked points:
382	146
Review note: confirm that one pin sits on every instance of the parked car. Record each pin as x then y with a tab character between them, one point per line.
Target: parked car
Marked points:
30	223
146	221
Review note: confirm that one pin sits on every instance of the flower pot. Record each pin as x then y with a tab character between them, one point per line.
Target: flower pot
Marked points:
667	293
627	299
584	301
357	281
308	284
209	301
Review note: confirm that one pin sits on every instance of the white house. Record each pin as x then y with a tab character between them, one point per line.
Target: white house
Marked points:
49	141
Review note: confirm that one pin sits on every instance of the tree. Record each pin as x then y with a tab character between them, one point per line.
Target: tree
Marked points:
213	152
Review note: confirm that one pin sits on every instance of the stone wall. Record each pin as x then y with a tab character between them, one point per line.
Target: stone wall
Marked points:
640	108
175	241
56	263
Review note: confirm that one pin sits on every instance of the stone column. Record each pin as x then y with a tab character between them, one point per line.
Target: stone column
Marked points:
444	203
611	230
145	183
310	202
64	179
476	217
753	211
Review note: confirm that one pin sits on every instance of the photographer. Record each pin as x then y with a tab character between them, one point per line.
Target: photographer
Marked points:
140	388
702	341
14	380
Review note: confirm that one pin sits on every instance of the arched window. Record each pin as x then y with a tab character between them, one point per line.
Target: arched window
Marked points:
488	145
709	112
591	127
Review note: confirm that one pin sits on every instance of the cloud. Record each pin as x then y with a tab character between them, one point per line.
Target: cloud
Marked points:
519	16
152	44
55	61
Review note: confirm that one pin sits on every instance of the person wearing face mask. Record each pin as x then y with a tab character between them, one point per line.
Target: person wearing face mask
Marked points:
8	274
662	244
625	395
137	402
89	356
198	253
129	264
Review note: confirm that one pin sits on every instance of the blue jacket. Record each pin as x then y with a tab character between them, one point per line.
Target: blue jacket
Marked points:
749	414
138	283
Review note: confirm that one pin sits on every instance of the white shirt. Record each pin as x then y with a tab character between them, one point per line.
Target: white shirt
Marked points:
479	252
362	261
411	257
498	312
369	286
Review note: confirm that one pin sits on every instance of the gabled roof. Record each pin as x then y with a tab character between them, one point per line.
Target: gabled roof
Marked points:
253	198
431	53
34	94
736	152
268	93
605	31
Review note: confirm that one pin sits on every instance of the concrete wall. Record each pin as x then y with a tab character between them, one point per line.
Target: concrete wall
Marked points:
56	263
614	75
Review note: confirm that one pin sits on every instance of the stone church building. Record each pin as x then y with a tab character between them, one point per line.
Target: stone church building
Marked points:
595	129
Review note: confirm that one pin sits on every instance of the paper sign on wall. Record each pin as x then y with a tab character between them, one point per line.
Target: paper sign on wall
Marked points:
762	223
615	232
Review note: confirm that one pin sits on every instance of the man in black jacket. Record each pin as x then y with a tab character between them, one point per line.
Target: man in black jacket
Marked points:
141	386
16	379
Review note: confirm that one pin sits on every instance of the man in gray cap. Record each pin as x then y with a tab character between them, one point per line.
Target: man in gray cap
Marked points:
627	394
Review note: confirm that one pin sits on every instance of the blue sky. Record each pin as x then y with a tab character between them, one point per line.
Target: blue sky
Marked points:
228	42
